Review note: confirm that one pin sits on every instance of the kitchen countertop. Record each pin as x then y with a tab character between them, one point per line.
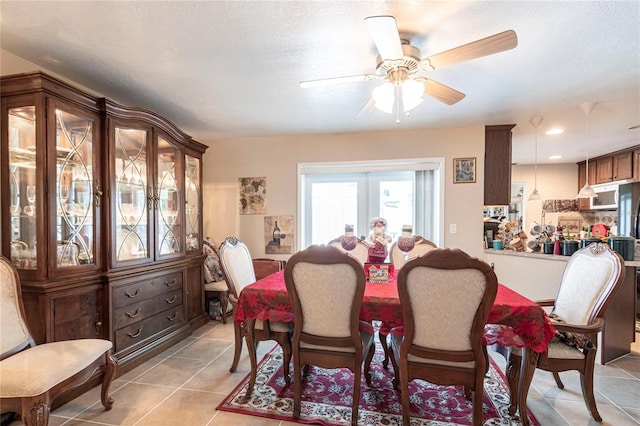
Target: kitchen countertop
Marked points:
540	255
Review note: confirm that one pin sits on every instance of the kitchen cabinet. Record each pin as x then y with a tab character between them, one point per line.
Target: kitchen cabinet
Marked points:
100	197
497	165
618	166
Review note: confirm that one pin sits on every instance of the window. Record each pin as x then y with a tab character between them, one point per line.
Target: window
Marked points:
401	191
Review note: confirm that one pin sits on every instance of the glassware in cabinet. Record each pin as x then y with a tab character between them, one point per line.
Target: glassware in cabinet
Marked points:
192	176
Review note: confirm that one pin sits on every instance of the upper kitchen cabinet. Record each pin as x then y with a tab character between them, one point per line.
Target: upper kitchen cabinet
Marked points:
497	165
101	217
618	166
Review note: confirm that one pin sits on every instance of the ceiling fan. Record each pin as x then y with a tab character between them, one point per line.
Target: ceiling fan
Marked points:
401	65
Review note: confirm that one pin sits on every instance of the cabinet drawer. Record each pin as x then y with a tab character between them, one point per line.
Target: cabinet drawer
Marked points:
145	308
145	289
141	330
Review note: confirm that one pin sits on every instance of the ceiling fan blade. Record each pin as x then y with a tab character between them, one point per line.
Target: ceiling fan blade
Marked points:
367	107
441	92
385	35
487	46
323	82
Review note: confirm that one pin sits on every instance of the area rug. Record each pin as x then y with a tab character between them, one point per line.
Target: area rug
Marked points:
327	397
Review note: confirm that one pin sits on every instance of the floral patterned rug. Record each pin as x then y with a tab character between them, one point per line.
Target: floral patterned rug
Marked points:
327	396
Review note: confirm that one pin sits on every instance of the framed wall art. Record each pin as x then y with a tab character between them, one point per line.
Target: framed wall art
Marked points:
253	195
464	170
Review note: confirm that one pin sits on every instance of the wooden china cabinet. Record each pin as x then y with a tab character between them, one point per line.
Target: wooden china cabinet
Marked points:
101	215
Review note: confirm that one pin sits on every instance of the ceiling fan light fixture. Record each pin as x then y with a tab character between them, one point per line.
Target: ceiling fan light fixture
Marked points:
411	94
384	97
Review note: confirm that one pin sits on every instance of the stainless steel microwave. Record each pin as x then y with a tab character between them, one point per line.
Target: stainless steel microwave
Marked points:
607	198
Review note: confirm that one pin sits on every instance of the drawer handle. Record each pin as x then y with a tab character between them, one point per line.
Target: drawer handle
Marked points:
170	283
175	315
173	299
134	314
136	334
134	294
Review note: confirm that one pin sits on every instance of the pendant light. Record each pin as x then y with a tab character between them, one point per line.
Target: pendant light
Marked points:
535	195
587	191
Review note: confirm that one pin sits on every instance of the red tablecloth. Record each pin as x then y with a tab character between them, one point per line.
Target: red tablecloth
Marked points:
514	320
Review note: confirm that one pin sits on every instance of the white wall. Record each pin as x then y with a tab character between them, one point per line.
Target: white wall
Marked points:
277	159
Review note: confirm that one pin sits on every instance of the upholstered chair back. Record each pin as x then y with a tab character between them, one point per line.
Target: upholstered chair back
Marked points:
237	264
444	304
360	253
588	280
326	287
327	307
14	333
446	296
397	256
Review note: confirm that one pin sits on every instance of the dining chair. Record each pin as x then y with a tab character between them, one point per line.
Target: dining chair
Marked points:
33	376
397	256
326	288
360	253
591	278
446	297
215	286
237	267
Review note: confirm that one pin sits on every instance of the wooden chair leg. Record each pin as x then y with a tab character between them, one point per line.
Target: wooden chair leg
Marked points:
385	347
109	375
35	410
367	363
356	394
252	347
239	334
513	379
284	340
224	304
404	396
586	382
556	376
297	386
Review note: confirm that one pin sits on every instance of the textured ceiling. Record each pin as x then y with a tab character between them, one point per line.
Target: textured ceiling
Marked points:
229	69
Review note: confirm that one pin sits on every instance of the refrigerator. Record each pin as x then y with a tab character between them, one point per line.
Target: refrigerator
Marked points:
629	210
629	226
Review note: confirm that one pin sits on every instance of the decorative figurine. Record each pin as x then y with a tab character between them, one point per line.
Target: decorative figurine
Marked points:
378	240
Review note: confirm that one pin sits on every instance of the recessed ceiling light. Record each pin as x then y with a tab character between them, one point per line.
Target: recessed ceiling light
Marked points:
555	131
555	157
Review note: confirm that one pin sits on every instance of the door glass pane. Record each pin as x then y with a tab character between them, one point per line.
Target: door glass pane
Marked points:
75	231
132	233
23	187
168	208
396	204
333	204
192	202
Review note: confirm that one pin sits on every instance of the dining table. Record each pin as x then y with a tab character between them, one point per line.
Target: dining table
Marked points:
514	320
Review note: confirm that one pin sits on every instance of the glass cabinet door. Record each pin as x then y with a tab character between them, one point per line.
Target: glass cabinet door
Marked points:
168	207
77	190
23	187
132	200
192	202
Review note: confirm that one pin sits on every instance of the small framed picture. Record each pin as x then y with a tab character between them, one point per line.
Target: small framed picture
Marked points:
464	170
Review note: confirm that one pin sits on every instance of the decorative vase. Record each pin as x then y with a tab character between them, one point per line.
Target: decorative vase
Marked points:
348	241
406	242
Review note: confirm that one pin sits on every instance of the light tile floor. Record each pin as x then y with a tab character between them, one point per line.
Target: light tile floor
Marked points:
183	385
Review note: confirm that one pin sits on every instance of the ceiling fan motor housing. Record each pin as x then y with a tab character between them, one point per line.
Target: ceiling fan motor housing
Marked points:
409	61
